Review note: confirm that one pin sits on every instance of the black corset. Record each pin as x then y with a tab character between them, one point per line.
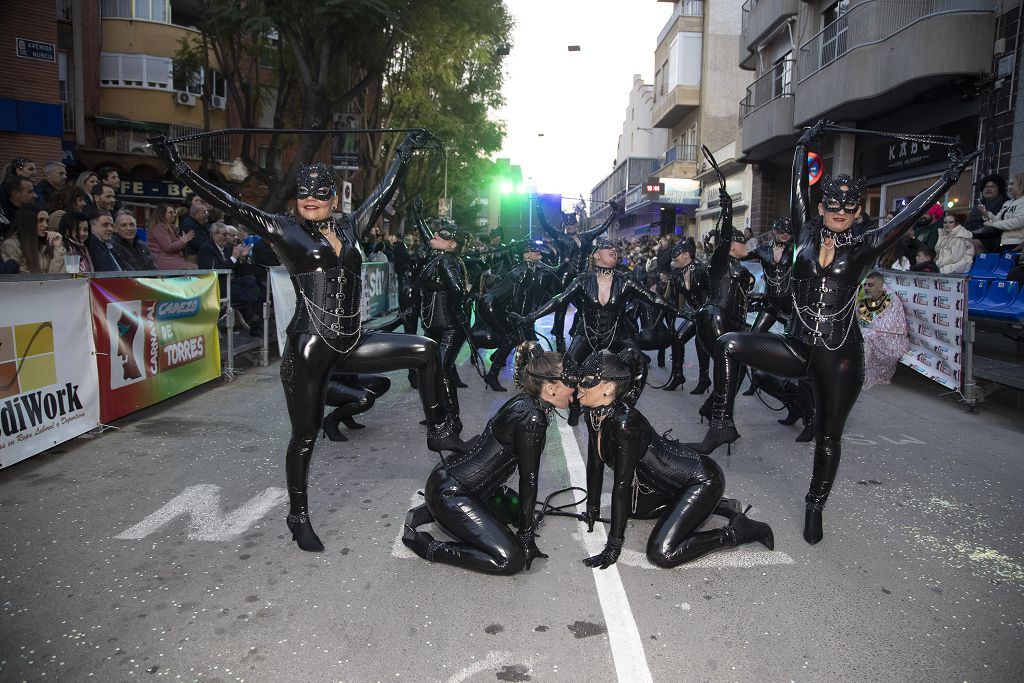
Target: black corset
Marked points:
327	303
823	311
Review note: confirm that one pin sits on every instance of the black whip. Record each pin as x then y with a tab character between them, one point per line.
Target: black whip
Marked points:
560	510
295	131
945	140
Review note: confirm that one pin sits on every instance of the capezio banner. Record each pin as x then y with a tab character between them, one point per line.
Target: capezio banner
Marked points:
934	305
48	384
155	338
379	295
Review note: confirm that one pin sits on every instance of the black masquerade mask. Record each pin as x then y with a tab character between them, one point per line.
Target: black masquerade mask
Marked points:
569	376
316	181
783	226
597	368
686	246
836	199
604	243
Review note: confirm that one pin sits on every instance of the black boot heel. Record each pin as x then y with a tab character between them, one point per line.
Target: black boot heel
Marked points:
703	384
741	529
491	380
352	424
331	430
719	434
303	534
808	432
677	381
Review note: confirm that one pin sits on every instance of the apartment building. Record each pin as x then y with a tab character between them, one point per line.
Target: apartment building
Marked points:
908	66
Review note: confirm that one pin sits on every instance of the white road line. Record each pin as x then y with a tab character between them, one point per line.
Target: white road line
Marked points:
623	636
492	661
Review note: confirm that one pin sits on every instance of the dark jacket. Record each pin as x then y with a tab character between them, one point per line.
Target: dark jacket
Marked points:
211	256
202	234
133	254
102	255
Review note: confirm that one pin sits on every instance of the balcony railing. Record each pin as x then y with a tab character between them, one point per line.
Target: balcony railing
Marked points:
769	86
745	16
872	21
686	153
686	8
630	173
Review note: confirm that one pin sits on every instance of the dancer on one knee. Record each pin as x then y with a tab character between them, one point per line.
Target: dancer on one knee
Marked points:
322	255
688	291
600	296
351	395
443	288
574	248
822	341
654	477
459	493
525	288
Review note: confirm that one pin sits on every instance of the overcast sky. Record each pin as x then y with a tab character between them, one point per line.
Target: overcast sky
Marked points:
576	99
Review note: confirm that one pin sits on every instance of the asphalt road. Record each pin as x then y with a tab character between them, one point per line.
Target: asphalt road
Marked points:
160	550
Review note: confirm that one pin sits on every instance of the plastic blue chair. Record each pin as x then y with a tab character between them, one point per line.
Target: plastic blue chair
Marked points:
984	266
1013	309
1003	266
976	291
1001	293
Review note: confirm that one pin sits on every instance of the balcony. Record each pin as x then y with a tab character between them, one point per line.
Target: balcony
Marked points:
680	161
760	18
766	113
675	105
873	58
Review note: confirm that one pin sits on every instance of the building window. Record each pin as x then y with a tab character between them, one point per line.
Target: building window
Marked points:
782	76
218	88
194	148
268	51
150	10
264	160
64	88
192	84
833	39
135	71
684	60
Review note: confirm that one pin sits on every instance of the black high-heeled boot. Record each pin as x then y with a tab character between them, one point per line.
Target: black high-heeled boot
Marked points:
728	507
330	426
351	423
741	529
677	378
807	434
751	390
413	381
456	380
813	531
705	409
703	384
303	534
805	399
491	379
443	437
722	430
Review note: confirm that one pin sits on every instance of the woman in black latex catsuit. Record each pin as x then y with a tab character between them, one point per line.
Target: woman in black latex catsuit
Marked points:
822	340
688	290
574	249
323	258
443	287
525	288
729	285
655	477
601	296
460	492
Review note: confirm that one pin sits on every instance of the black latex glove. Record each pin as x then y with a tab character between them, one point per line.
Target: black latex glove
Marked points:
417	204
814	132
616	207
526	539
164	149
608	556
591	516
958	162
725	199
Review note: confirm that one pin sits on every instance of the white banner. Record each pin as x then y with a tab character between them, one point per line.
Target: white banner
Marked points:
49	391
934	305
283	291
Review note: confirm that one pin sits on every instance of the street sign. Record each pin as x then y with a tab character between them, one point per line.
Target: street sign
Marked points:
444	207
814	167
346	196
33	49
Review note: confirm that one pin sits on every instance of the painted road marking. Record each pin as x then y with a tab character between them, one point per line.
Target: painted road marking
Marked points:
207	521
623	635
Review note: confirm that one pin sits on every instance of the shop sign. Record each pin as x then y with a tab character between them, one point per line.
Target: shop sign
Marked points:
153	189
896	155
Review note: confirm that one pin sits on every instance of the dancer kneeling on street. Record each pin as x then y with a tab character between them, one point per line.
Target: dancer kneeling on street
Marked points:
655	477
461	492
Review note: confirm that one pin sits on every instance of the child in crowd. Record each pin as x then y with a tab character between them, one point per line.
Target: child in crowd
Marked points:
925	261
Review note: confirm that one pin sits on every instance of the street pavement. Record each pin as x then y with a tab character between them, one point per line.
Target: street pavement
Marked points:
159	550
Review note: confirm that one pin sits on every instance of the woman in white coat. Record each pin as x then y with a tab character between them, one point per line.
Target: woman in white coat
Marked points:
955	250
1010	218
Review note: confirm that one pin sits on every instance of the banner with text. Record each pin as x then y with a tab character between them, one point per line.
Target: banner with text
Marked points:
934	305
155	338
380	295
48	383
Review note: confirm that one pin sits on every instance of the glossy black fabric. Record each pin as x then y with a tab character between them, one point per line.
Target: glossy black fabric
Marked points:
442	291
354	394
456	493
689	289
654	477
778	302
828	351
523	289
325	333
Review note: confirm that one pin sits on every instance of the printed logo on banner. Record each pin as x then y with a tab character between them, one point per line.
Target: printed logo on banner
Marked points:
921	314
943	285
925	359
940	319
903	281
141	347
921	299
942	302
943	336
923	282
28	365
924	331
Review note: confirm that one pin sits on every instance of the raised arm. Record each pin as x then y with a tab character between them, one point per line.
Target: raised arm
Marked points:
723	240
417	218
557	302
259	221
649	297
558	236
373	206
592	234
882	238
800	200
528	441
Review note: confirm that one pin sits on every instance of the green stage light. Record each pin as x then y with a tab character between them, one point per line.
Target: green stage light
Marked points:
506	186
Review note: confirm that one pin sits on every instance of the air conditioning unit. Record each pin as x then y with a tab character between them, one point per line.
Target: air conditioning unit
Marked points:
218	101
185	99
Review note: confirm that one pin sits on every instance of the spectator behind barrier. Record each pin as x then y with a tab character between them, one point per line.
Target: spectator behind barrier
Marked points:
87	180
924	261
131	252
1009	220
15	193
55	177
993	196
74	231
884	328
22	168
33	247
70	198
104	198
926	230
197	222
101	233
955	251
246	295
166	244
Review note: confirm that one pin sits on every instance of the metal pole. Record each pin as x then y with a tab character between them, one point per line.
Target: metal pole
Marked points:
229	369
265	350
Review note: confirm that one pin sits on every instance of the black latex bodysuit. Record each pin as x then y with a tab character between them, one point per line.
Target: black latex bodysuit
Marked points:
442	285
458	494
778	302
689	300
522	290
574	254
326	332
822	340
654	477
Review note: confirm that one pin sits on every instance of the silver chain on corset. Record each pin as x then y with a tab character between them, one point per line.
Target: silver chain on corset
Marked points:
848	309
318	325
638	490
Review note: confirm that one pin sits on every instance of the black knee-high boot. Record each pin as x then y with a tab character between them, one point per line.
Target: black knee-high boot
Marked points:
300	452
827	452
